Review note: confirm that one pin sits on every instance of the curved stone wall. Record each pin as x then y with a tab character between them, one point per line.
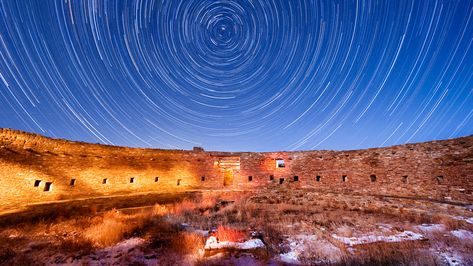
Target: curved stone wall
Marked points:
35	169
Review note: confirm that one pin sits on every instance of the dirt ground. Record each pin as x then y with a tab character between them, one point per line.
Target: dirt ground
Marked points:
296	227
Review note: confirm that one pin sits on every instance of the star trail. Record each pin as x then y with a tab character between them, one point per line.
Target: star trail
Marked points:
238	75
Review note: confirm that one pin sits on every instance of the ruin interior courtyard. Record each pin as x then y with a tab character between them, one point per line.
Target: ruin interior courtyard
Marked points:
80	203
236	132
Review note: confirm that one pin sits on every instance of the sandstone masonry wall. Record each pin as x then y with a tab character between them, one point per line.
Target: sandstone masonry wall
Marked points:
437	170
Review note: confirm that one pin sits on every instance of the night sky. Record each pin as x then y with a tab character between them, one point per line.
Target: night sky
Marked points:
238	75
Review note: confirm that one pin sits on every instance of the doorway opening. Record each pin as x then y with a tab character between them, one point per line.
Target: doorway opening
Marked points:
228	177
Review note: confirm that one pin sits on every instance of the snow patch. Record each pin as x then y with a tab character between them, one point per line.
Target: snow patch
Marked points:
403	236
125	252
125	245
461	218
452	259
303	246
212	243
289	257
252	244
463	234
431	227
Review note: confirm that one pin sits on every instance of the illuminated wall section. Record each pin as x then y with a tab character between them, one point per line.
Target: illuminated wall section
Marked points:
38	169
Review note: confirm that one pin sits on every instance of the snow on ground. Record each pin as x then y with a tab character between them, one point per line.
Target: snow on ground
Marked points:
451	258
461	218
296	247
463	234
252	244
212	243
431	227
127	248
125	252
289	257
123	246
303	247
366	239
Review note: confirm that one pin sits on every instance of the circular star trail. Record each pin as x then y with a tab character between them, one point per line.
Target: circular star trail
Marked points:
238	75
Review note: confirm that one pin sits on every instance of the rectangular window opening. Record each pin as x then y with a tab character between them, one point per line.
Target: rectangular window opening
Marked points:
250	178
156	179
404	179
344	178
296	178
37	183
373	178
271	177
73	182
281	180
179	182
317	178
202	178
280	163
105	181
132	180
48	186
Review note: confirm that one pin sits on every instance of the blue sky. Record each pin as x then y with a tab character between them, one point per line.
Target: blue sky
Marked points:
238	75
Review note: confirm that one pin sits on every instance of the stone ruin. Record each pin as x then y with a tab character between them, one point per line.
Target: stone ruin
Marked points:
35	169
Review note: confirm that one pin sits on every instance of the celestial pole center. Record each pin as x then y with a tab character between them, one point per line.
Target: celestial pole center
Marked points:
238	75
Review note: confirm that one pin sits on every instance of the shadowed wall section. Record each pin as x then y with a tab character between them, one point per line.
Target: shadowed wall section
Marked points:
34	169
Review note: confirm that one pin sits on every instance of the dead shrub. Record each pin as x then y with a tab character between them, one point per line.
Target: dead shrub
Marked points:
208	201
6	255
187	243
161	234
403	253
413	216
273	238
322	219
344	230
159	210
106	233
182	207
449	222
229	234
77	244
110	230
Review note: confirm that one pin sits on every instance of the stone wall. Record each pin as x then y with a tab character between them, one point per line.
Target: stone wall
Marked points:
437	170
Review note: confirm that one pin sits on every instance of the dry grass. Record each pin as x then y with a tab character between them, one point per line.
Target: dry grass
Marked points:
187	243
229	234
159	210
449	222
403	253
272	215
344	230
108	231
182	207
6	254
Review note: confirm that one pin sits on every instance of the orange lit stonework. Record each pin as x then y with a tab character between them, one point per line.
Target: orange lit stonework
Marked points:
34	168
